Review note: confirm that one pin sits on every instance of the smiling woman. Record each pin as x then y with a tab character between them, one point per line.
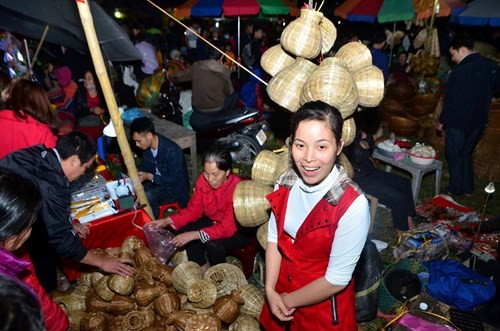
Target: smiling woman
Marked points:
317	230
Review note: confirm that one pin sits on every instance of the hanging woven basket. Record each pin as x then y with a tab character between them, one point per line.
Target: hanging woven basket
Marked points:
356	55
285	87
249	202
302	37
332	83
328	35
275	59
348	131
370	84
264	166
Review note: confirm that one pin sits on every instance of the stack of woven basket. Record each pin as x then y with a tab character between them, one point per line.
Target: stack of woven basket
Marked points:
162	297
345	82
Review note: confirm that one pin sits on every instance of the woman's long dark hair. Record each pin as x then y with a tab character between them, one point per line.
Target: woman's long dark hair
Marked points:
20	202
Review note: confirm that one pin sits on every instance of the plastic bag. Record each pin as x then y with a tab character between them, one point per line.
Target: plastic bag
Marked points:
159	242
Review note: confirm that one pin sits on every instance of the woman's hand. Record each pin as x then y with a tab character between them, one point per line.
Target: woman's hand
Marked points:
184	238
161	223
97	110
278	307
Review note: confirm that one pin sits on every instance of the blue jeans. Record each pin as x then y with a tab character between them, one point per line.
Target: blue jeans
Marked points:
459	146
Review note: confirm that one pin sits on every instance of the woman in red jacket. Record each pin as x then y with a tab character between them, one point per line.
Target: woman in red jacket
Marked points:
27	118
316	233
20	202
207	224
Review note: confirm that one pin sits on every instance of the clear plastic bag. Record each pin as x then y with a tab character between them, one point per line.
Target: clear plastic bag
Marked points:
159	242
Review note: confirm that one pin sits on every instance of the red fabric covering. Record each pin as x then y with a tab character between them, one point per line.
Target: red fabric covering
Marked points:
367	8
108	232
345	8
20	133
55	318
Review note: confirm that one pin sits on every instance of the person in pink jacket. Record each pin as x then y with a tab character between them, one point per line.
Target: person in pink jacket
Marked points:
208	225
27	118
20	202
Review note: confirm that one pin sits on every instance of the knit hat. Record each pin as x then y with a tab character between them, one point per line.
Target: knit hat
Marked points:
63	76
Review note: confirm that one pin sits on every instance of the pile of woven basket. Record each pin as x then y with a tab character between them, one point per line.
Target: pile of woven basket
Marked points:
163	297
345	82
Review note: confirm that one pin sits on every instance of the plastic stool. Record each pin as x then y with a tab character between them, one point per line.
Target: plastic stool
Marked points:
170	208
247	256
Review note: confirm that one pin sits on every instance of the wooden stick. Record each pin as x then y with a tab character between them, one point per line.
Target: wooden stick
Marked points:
42	39
102	75
208	42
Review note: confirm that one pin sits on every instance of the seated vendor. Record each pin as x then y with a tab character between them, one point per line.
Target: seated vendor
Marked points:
163	169
208	224
391	190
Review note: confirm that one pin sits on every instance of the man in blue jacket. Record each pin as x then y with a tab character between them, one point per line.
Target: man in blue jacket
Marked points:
163	169
467	99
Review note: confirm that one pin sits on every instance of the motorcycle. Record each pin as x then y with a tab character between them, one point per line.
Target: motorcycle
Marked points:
242	129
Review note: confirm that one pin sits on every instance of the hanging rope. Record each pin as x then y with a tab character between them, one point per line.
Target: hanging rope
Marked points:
208	42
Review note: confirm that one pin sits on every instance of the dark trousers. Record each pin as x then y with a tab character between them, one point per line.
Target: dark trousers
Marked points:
392	191
158	195
459	146
215	250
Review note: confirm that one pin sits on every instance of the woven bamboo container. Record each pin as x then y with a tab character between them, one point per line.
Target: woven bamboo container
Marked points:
245	323
328	35
392	105
333	84
302	37
262	234
254	300
284	164
202	293
370	84
402	126
401	91
226	277
356	55
249	202
423	104
264	166
275	59
285	87
349	131
185	274
346	164
179	257
207	321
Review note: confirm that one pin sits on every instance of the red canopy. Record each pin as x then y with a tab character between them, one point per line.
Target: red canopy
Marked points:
240	8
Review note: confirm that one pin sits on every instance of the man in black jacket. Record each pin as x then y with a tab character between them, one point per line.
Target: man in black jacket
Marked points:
54	235
163	169
467	99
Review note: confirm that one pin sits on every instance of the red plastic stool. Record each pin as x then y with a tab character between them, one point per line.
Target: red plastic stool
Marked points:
247	256
170	208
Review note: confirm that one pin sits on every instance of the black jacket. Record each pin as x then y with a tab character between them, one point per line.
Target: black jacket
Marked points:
41	165
171	166
361	158
468	93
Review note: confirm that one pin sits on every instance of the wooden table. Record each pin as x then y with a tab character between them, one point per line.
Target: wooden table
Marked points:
417	171
183	137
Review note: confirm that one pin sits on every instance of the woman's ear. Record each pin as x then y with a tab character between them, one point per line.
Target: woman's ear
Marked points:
340	146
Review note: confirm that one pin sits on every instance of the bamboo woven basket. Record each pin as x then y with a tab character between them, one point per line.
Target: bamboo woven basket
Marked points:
424	104
262	234
185	274
328	35
356	55
226	277
401	91
179	257
346	164
249	202
349	131
370	84
254	300
284	164
302	37
264	166
275	59
402	126
245	323
285	87
202	293
201	322
392	105
333	84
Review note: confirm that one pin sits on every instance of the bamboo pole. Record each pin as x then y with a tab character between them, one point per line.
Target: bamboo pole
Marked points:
102	75
39	47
